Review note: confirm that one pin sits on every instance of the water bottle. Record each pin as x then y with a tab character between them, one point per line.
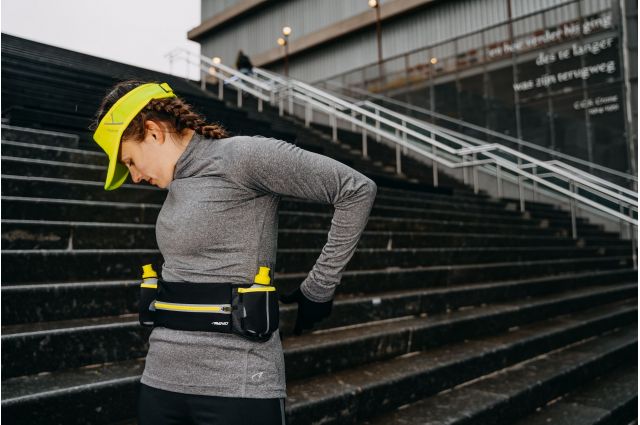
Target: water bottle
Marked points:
262	278
148	291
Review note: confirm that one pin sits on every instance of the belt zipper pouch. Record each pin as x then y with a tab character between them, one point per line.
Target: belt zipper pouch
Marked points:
251	312
191	306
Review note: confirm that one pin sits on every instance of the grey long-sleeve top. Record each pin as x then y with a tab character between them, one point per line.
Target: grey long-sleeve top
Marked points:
219	223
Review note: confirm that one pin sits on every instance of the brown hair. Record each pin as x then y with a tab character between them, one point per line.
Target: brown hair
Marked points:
174	112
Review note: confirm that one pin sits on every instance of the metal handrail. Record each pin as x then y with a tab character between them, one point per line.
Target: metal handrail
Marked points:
475	127
432	128
431	146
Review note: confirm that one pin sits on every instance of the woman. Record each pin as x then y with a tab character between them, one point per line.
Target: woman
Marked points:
219	223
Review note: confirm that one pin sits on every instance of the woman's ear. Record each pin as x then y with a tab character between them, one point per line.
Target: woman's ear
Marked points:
154	130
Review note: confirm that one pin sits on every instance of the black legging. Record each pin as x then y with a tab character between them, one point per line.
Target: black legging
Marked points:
160	407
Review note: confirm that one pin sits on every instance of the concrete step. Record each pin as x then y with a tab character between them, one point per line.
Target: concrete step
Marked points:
38	136
32	151
94	190
55	172
39	266
49	302
107	392
609	399
54	345
36	208
517	390
360	393
75	210
42	234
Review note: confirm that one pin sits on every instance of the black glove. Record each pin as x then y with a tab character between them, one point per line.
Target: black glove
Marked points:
309	312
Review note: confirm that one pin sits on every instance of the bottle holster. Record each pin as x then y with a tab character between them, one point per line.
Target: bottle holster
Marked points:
249	311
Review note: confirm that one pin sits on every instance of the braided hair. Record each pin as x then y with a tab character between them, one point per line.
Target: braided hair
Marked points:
175	112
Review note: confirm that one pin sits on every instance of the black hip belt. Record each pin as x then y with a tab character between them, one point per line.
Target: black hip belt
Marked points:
250	311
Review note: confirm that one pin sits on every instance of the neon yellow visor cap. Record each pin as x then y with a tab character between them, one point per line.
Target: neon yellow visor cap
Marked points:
115	122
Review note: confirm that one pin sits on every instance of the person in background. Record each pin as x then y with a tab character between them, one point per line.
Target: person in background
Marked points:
243	63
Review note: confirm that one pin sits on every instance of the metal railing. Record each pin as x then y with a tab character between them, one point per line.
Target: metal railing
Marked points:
439	146
360	96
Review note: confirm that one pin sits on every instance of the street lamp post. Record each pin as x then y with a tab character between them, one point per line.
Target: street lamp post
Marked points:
375	4
286	31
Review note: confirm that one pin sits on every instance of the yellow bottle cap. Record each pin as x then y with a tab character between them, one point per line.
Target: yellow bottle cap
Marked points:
147	271
263	276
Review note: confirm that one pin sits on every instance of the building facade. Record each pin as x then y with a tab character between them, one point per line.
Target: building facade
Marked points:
560	74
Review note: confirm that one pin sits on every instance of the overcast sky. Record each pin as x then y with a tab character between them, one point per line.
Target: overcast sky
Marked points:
137	32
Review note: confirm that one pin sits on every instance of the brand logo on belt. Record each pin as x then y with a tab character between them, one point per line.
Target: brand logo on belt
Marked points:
220	323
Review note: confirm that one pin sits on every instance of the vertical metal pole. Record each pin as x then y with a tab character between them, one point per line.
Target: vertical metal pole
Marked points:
585	95
239	97
535	183
334	125
630	129
634	241
286	56
281	106
221	87
499	180
623	227
475	175
398	160
435	167
404	133
353	124
203	80
574	226
464	170
377	124
365	153
290	94
260	104
521	193
307	110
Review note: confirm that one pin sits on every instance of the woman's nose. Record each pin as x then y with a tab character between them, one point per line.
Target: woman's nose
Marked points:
135	176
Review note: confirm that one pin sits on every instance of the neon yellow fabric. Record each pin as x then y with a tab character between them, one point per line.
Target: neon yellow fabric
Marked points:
115	122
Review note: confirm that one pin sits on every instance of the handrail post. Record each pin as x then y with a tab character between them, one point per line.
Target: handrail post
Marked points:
499	180
239	97
623	228
307	114
520	188
464	170
365	153
377	124
574	226
535	183
398	160
221	87
353	124
634	241
475	174
290	94
334	124
435	167
203	80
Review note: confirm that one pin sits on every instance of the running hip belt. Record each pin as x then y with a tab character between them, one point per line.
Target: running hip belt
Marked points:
250	311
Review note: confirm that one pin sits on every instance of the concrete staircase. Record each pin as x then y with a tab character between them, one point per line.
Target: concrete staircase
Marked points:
456	308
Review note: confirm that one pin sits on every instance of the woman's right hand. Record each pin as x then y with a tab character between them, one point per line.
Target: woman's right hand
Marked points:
309	312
